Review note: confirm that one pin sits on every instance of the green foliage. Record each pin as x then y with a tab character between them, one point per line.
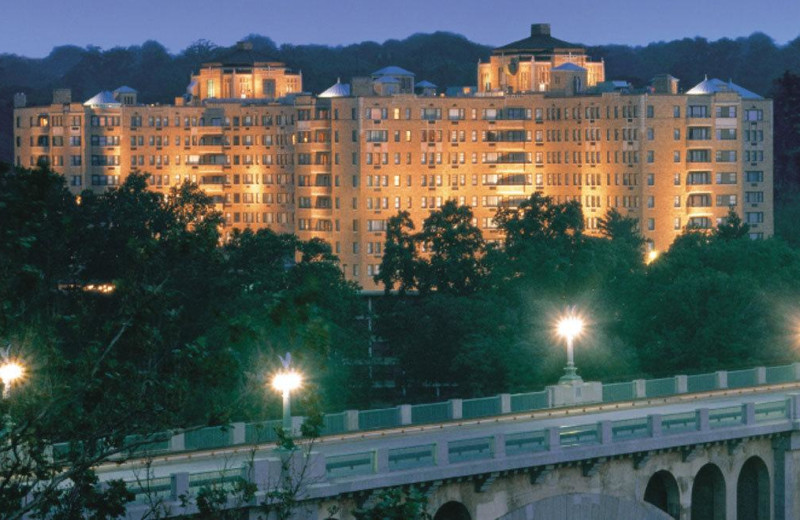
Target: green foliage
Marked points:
187	336
713	300
732	227
498	320
455	246
220	500
400	260
395	504
786	128
454	259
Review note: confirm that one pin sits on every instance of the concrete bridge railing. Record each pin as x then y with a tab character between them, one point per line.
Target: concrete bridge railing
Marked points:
239	434
457	454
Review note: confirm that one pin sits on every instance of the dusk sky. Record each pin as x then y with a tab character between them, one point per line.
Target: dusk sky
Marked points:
33	27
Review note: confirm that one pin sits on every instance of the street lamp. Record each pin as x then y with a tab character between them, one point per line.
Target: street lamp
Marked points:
285	381
569	327
10	371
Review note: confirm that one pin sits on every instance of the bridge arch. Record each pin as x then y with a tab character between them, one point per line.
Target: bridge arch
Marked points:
662	491
753	490
708	494
452	511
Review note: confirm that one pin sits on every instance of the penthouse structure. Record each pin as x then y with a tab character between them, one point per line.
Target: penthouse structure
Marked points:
337	165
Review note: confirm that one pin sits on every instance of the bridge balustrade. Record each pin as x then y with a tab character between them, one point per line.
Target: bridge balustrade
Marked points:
459	447
630	429
260	432
430	413
660	387
379	419
679	422
333	423
470	449
413	457
350	465
526	442
152	489
481	407
619	392
467	409
702	382
529	401
743	378
726	417
775	411
207	438
224	479
577	436
780	374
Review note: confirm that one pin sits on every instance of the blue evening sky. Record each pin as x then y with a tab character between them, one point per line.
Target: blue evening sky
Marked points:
33	27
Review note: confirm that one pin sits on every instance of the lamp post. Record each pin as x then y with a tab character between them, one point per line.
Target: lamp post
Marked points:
285	381
569	327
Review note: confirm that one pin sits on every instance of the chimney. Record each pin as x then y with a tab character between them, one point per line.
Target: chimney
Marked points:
62	96
20	100
540	29
665	84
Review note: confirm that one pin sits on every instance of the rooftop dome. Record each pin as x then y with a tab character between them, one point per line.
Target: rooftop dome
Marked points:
714	85
539	42
338	89
102	98
392	71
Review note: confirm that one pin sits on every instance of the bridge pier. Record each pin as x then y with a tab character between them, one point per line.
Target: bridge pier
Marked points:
787	470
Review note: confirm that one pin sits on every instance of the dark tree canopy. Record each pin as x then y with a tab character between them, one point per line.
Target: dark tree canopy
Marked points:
132	319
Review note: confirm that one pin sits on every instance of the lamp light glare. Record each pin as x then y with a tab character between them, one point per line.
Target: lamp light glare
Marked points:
11	371
570	327
287	381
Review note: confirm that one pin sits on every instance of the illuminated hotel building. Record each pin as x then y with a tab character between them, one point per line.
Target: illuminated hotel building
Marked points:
337	165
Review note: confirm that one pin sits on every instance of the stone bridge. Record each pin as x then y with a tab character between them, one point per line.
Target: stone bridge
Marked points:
725	453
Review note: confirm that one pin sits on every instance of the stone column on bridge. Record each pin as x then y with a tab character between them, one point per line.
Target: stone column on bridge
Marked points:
639	388
786	450
404	411
721	380
574	393
761	375
179	485
351	420
455	408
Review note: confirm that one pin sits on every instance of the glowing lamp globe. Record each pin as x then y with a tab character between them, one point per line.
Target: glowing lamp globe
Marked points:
11	371
570	327
287	381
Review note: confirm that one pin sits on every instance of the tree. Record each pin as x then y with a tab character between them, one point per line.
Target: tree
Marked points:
542	243
787	132
732	227
291	295
710	302
455	246
395	504
107	369
399	262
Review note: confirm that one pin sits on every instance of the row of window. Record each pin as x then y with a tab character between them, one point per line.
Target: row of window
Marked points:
382	113
555	113
720	156
226	121
752	218
45	120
